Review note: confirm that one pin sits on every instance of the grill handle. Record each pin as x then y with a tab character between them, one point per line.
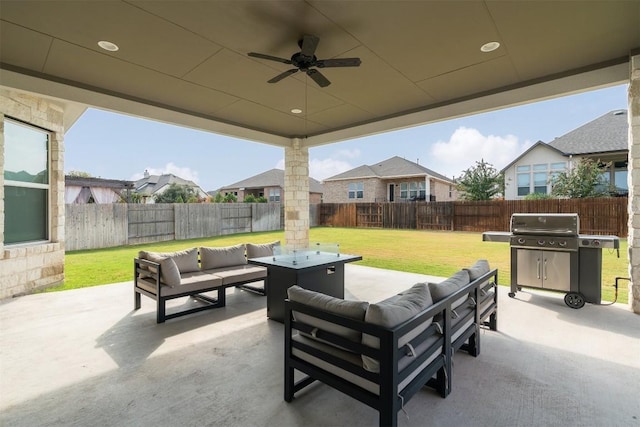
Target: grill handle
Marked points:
538	267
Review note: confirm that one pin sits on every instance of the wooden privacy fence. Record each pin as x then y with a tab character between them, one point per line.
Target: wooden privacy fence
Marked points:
597	216
94	226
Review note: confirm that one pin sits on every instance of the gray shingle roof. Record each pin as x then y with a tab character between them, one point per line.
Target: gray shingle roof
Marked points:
607	133
271	178
390	168
156	182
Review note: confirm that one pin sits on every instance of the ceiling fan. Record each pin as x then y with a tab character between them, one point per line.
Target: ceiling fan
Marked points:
306	59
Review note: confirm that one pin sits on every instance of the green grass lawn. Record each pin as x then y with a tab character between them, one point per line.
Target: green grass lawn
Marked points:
436	253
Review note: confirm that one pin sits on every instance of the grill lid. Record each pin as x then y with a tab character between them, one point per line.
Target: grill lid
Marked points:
545	224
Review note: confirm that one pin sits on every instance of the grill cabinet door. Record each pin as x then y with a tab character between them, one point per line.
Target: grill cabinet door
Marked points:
556	271
530	268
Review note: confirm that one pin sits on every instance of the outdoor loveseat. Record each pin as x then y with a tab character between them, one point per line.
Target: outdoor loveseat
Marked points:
382	354
164	276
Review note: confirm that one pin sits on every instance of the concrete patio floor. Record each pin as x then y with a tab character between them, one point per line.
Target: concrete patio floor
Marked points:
84	357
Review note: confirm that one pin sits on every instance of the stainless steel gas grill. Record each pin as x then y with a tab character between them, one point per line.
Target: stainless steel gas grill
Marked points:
547	252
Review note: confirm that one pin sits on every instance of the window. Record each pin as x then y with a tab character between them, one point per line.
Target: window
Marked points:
413	190
26	183
540	182
404	190
274	194
538	178
524	184
356	190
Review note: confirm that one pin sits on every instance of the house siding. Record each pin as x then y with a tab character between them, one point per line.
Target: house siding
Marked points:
27	267
338	191
538	155
377	190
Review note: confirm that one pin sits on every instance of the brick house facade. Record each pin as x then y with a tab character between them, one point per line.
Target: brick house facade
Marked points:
393	180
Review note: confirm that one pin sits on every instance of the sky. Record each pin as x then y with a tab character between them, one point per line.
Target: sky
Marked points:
115	146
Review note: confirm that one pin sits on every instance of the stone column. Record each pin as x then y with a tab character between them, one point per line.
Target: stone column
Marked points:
634	184
296	195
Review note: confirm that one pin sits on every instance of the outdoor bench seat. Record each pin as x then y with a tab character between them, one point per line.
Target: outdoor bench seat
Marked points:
382	354
196	271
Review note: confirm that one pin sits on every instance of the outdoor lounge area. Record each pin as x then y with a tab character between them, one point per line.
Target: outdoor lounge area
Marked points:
85	357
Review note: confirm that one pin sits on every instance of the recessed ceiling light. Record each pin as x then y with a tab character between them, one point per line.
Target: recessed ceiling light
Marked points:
490	47
111	47
296	110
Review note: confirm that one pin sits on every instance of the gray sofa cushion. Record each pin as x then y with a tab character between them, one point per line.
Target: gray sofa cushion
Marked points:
478	269
393	311
440	291
351	309
186	261
258	251
222	257
170	274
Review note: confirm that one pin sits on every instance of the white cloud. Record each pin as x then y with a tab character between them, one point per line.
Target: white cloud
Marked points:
349	154
170	168
321	169
466	146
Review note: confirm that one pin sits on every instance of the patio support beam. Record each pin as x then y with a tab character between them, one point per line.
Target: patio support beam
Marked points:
296	194
634	183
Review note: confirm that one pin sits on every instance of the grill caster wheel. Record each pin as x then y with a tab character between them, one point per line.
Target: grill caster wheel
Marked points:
512	294
574	300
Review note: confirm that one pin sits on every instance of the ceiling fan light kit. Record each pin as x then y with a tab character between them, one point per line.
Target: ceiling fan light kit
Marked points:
306	60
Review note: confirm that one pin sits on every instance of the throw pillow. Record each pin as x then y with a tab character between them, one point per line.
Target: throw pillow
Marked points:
478	269
440	291
346	308
393	311
170	273
222	257
186	261
258	251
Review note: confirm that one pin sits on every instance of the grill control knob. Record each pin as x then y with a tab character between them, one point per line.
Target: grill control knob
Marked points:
541	242
521	240
596	243
552	242
562	243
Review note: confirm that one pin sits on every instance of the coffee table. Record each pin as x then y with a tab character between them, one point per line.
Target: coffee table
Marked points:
310	269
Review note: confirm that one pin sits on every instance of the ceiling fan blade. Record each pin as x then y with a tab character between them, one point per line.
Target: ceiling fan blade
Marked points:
281	76
269	57
309	45
338	62
317	77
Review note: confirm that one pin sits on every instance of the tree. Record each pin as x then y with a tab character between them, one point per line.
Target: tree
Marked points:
584	180
480	182
230	198
79	174
177	194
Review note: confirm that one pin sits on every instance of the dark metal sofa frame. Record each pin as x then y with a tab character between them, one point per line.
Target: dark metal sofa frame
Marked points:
437	374
209	302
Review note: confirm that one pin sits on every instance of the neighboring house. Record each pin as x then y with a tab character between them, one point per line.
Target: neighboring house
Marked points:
151	185
393	180
604	139
269	184
80	190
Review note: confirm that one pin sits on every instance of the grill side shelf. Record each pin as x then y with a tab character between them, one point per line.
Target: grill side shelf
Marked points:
496	236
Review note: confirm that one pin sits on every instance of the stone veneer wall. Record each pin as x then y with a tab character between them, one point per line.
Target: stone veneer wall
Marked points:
296	195
24	268
634	184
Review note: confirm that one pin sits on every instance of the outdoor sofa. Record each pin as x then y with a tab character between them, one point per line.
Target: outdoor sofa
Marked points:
382	354
164	276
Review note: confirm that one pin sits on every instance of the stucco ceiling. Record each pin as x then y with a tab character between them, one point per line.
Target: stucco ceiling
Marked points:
186	62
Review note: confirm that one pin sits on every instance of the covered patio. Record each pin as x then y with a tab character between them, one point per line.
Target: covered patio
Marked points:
298	74
84	357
